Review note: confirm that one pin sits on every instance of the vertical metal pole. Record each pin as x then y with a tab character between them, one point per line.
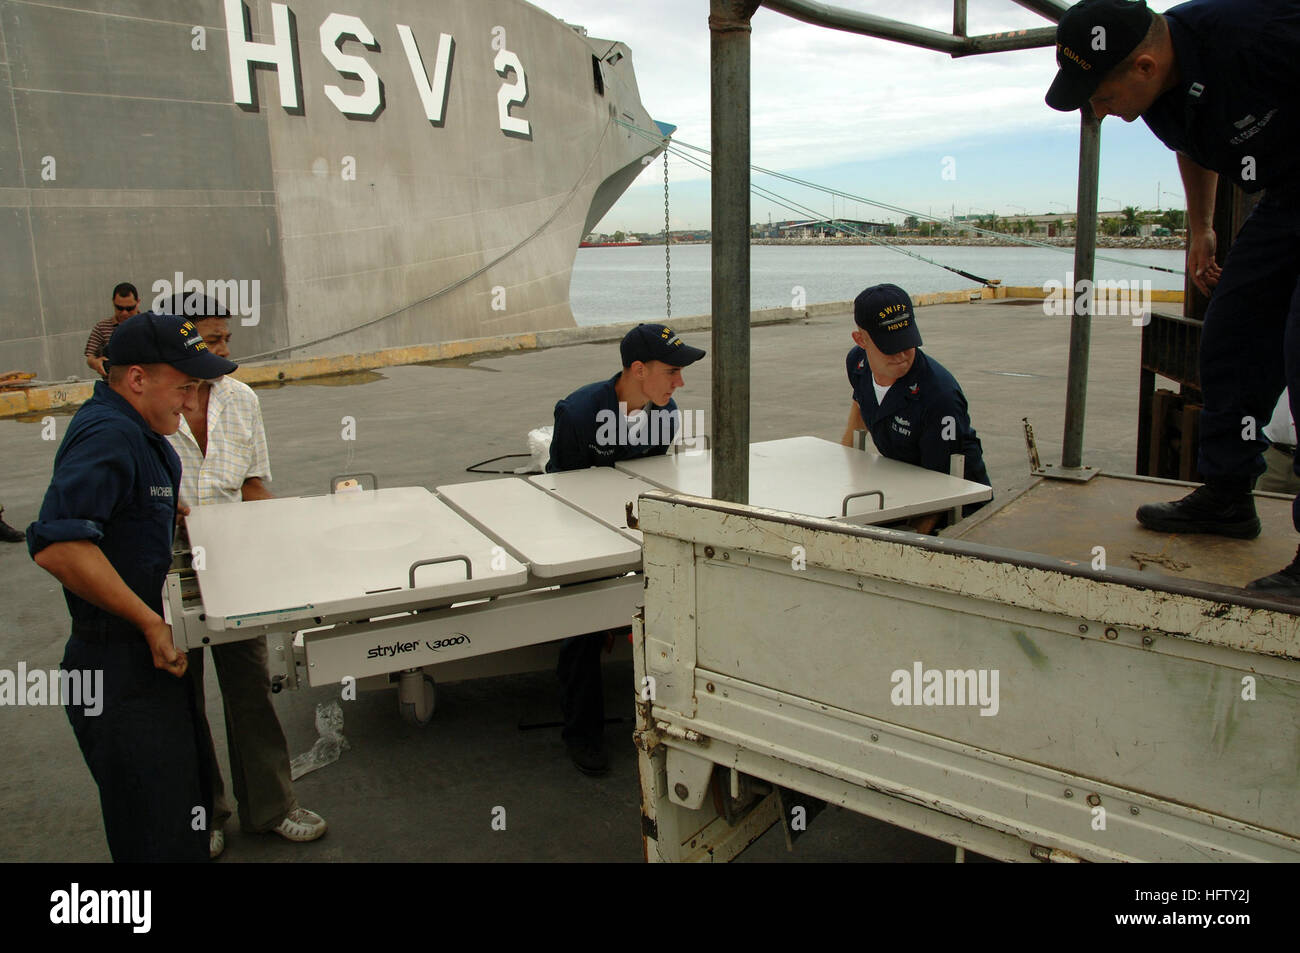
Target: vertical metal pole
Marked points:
1085	255
959	17
729	30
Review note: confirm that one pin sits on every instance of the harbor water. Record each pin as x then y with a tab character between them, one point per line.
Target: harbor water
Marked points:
627	283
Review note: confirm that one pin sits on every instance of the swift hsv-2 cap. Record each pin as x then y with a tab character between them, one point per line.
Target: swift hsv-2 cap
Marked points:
655	342
165	339
1092	38
885	313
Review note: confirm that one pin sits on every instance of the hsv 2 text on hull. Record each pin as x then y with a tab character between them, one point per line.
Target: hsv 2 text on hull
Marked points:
346	174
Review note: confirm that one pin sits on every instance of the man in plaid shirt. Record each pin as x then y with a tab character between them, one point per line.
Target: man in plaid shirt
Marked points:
126	302
222	446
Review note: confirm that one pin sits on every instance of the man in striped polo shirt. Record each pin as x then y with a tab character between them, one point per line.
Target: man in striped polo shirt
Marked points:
222	446
126	302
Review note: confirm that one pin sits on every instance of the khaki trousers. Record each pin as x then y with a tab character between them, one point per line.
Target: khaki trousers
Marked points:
259	754
1279	477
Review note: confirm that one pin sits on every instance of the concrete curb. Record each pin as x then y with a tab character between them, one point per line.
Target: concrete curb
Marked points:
57	396
974	294
965	296
48	397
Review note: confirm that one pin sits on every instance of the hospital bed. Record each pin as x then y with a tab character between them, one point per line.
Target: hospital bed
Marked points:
373	586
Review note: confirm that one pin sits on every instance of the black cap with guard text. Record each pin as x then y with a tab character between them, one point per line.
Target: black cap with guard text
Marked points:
885	313
150	338
655	342
1092	38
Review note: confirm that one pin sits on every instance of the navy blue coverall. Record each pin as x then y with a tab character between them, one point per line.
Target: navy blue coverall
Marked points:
920	410
115	483
1234	111
584	423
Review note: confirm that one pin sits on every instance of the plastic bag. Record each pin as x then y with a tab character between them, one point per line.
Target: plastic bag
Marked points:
539	445
328	747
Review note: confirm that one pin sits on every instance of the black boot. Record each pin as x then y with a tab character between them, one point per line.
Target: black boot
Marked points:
589	758
1204	510
7	533
1284	582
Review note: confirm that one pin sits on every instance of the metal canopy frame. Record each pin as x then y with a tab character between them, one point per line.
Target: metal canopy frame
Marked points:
957	43
730	28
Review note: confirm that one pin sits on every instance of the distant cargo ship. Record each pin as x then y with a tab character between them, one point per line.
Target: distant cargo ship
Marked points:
347	175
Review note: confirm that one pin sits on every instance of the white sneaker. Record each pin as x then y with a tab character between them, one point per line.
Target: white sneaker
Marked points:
216	844
301	825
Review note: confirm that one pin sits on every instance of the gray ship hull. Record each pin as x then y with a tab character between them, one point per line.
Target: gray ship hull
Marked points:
348	175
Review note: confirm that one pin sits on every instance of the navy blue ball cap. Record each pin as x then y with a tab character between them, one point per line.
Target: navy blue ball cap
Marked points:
1092	38
150	338
655	342
885	313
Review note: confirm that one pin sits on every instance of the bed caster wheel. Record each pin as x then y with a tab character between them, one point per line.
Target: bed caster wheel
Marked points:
416	696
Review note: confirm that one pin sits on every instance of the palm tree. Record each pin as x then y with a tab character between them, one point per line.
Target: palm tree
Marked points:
1130	221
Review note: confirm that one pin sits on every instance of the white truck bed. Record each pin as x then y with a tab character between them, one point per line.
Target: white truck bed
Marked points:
1072	714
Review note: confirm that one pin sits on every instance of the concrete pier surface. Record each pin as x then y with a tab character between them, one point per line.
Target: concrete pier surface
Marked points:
412	794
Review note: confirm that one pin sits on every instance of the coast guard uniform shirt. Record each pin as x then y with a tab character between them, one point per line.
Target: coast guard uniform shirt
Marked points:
587	419
114	483
909	426
1235	110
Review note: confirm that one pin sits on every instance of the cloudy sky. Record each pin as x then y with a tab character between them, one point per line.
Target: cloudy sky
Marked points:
872	117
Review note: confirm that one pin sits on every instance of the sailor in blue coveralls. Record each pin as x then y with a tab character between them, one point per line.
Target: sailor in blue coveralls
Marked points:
912	406
1217	81
631	415
105	532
